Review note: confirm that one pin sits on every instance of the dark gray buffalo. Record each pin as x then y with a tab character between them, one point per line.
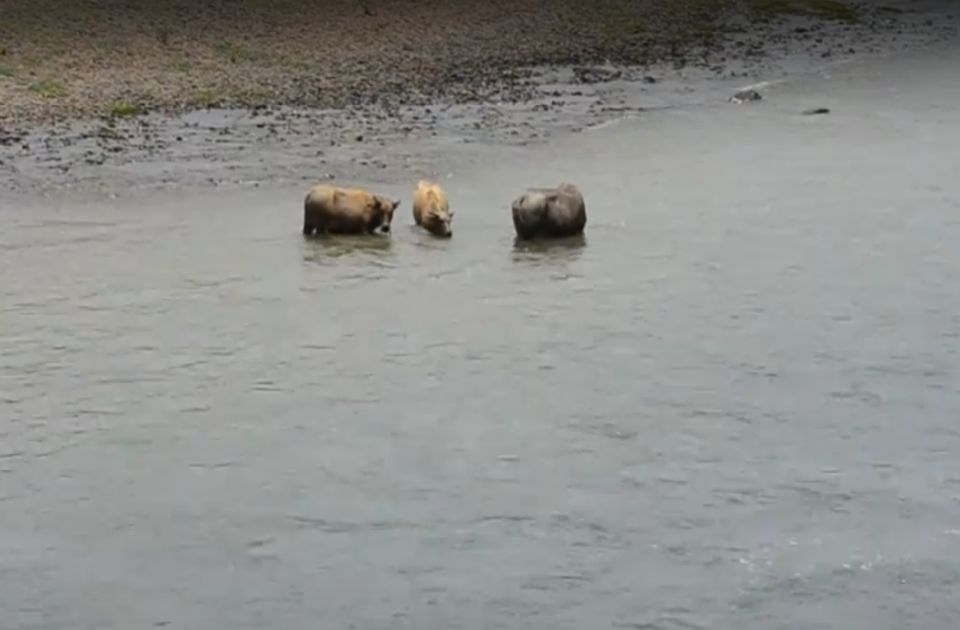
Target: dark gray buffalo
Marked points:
549	212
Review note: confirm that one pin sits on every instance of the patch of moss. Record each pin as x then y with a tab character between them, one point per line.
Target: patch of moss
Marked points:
123	109
252	96
49	88
204	98
291	62
237	54
7	72
180	65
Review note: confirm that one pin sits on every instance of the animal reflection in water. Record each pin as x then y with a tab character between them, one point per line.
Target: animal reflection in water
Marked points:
320	250
549	250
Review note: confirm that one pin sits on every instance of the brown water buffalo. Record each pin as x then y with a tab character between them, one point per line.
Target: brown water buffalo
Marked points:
336	210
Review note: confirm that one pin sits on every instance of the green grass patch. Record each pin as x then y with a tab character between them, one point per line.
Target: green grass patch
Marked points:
181	65
204	98
7	72
828	9
252	96
291	62
123	109
49	88
237	54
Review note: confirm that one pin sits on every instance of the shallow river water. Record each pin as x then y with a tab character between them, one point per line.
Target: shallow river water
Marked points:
734	404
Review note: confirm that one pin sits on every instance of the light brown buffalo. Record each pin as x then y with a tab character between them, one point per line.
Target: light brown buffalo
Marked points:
431	209
335	210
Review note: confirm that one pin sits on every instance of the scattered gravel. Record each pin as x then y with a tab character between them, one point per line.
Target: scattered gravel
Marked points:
113	94
98	56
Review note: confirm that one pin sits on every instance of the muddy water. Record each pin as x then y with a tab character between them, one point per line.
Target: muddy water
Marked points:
733	404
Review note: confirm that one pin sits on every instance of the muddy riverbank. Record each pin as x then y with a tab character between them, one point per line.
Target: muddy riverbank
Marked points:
387	131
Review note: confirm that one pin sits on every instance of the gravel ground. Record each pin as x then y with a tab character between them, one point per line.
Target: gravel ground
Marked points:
110	96
103	56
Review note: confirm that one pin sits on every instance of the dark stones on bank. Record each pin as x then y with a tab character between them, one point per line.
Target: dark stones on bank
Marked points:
745	96
751	95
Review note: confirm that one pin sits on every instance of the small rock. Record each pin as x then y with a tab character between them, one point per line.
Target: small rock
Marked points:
744	96
595	75
649	79
814	111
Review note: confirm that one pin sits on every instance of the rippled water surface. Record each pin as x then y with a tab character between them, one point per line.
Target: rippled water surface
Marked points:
734	404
